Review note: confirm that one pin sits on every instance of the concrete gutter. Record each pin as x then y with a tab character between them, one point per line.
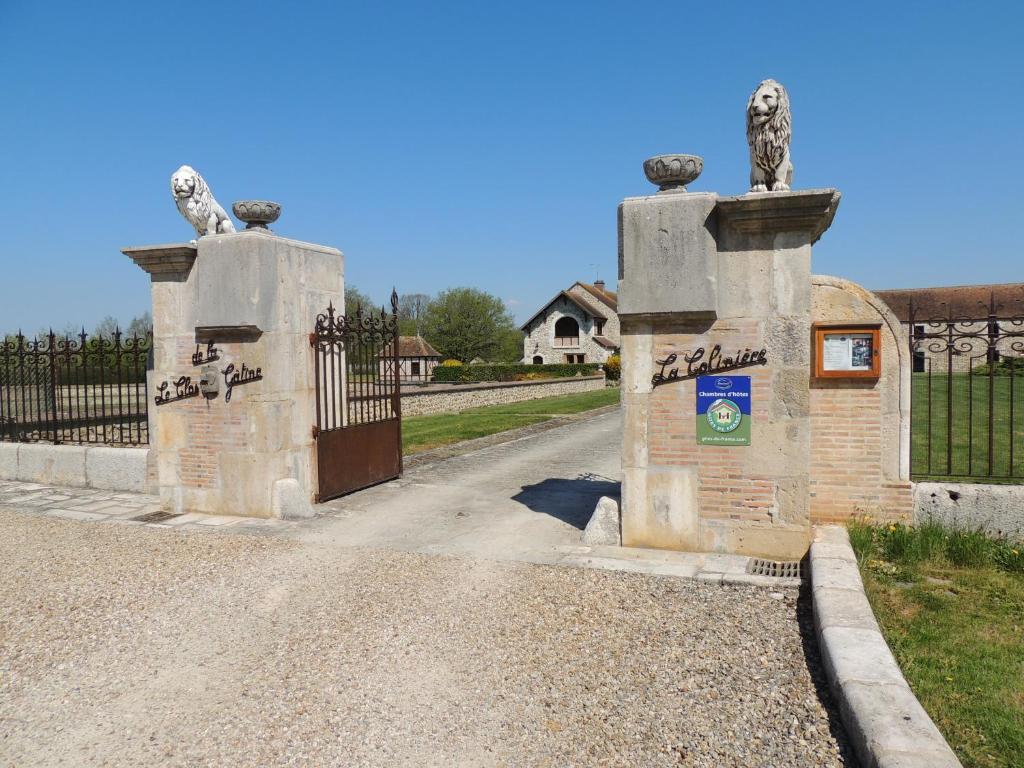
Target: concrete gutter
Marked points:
885	722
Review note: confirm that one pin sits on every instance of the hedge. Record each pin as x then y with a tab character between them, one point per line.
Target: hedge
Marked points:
473	373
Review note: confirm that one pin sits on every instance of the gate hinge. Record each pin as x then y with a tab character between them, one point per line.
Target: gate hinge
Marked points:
315	431
312	339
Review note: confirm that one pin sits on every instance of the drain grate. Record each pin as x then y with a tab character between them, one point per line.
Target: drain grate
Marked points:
155	517
783	569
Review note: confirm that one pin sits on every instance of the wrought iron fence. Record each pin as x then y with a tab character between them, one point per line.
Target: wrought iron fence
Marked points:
74	389
967	385
355	367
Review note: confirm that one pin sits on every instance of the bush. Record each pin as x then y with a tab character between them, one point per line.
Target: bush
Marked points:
613	368
452	363
474	373
1006	366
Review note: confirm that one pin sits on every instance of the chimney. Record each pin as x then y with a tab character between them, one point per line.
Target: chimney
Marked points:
599	284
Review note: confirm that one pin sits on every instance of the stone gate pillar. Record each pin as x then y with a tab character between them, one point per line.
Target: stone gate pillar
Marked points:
717	285
231	390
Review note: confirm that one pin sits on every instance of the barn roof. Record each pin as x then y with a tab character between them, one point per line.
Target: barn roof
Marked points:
586	306
958	301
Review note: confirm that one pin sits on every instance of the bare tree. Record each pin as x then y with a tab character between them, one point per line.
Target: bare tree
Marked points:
411	309
106	328
140	326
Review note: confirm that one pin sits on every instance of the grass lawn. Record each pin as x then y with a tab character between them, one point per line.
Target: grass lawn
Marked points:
421	433
951	606
969	399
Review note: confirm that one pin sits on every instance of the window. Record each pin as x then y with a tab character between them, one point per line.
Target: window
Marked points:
600	327
415	368
573	358
538	360
567	332
918	361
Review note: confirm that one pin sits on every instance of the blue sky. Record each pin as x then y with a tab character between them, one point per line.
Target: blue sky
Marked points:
488	144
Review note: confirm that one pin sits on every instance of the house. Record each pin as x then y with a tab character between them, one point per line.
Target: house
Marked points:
578	325
962	326
416	359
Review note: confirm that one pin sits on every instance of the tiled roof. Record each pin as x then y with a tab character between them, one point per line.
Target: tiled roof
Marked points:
611	298
957	301
415	346
585	306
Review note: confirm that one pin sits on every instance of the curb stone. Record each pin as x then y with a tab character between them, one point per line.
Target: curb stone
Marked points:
884	721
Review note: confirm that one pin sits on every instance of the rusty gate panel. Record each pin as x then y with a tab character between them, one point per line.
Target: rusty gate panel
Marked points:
358	434
357	457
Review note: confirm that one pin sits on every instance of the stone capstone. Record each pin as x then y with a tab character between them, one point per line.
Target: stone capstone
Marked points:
667	255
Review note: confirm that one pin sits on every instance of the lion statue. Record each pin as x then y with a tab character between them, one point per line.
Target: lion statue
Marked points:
769	129
196	203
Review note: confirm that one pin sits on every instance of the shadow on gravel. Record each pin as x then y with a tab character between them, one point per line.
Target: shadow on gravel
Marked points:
812	655
571	501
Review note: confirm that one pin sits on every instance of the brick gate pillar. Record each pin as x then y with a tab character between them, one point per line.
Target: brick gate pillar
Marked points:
231	390
732	274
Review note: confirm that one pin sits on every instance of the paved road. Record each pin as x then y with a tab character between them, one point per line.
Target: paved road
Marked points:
518	500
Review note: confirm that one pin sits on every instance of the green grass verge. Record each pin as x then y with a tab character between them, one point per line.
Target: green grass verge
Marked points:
421	433
951	607
963	401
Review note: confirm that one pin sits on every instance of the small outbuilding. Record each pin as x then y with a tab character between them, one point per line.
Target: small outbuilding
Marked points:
416	359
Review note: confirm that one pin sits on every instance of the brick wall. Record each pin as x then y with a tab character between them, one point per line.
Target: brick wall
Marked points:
860	428
728	490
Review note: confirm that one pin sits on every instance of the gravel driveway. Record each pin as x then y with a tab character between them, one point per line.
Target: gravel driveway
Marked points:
128	645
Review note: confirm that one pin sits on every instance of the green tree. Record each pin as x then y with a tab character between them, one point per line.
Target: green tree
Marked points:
356	298
464	323
510	347
412	308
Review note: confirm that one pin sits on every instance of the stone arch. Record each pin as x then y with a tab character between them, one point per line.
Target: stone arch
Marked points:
567	326
887	400
538	360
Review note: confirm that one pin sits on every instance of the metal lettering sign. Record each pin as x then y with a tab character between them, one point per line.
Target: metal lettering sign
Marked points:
698	365
723	410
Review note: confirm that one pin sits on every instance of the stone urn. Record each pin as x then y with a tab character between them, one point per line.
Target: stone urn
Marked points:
256	214
673	172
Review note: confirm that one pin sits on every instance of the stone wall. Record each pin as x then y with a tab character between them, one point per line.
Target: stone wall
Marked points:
860	428
78	466
997	509
541	338
452	398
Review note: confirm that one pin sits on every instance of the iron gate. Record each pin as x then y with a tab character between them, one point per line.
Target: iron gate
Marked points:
358	432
